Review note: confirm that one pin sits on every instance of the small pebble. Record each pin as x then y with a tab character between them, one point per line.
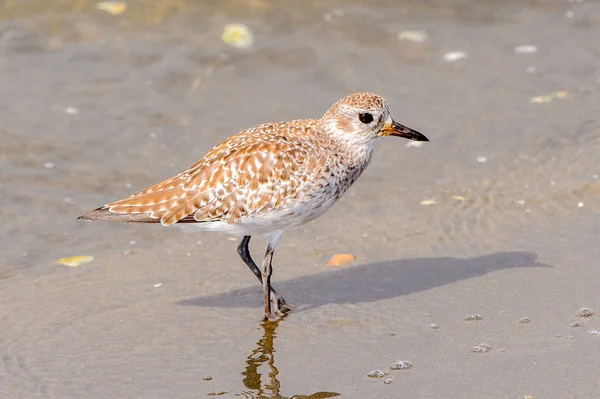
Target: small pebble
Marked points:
471	317
48	165
340	259
594	333
71	110
157	285
481	159
401	365
525	320
376	374
434	326
207	378
388	381
584	312
576	324
481	348
580	205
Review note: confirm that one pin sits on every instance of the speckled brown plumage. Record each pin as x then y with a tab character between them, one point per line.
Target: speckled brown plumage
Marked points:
268	178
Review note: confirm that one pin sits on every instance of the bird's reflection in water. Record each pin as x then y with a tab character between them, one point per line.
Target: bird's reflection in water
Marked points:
264	354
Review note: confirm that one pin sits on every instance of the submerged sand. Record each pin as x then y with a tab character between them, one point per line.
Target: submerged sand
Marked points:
498	216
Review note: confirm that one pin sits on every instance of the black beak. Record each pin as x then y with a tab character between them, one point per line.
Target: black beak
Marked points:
396	129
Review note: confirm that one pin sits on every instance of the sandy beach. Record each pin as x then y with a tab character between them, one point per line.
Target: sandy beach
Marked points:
474	252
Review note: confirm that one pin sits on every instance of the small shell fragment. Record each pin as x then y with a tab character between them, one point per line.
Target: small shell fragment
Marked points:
340	259
472	317
561	94
237	35
427	202
541	99
416	144
112	7
454	56
415	36
74	261
526	49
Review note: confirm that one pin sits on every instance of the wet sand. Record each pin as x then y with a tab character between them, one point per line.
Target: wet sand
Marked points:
96	106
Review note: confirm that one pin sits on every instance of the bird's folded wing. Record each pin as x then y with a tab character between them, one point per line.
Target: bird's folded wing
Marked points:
227	184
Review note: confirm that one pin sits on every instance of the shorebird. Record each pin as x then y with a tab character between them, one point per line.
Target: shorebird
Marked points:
267	179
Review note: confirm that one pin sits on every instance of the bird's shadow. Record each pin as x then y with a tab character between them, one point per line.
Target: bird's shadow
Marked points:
373	282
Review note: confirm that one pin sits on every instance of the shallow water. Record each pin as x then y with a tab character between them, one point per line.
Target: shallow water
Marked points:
95	106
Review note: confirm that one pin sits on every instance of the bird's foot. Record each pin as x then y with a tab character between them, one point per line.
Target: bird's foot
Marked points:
279	307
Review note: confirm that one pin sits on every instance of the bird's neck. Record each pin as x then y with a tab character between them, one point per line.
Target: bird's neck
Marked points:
355	152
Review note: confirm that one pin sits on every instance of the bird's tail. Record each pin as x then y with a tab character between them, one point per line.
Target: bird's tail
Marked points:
104	214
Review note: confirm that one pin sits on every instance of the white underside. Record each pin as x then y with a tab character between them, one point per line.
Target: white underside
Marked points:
264	223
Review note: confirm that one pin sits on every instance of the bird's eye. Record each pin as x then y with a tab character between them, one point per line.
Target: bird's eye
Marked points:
365	118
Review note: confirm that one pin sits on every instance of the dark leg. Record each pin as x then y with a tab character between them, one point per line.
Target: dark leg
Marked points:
279	304
244	253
